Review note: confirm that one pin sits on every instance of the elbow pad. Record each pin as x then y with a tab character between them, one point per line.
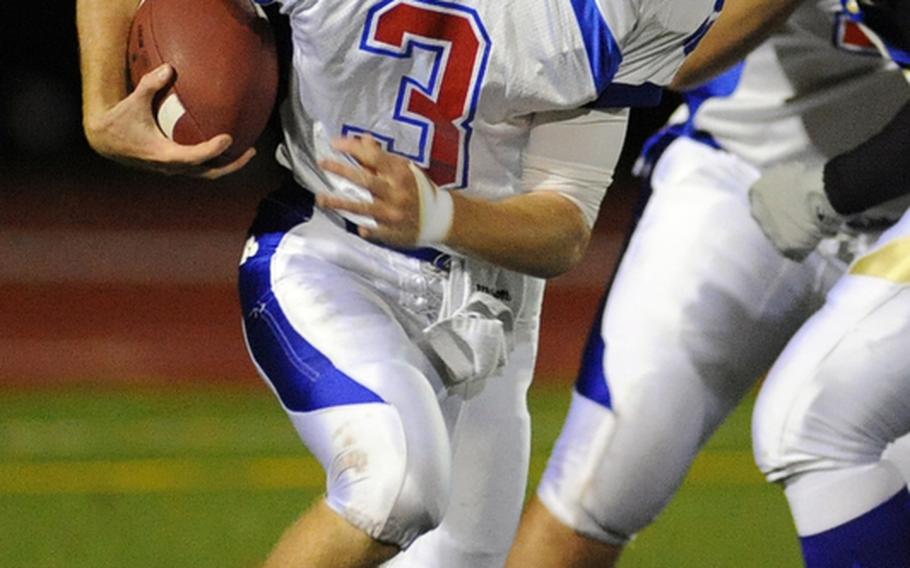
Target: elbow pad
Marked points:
574	153
583	186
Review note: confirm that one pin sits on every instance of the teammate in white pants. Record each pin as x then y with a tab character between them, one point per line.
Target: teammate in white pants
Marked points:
839	394
446	154
703	302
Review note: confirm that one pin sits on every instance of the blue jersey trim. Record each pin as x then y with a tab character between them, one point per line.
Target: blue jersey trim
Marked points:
303	378
592	380
723	85
899	56
691	42
618	95
604	54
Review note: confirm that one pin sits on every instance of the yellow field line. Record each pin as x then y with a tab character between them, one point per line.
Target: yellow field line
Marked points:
167	475
159	475
715	467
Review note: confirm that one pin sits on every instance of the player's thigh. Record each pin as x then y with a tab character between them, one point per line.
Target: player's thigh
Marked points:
700	307
702	303
700	288
362	396
491	449
840	392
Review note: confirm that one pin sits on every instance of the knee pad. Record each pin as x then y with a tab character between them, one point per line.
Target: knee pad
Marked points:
363	450
605	479
801	430
572	467
837	396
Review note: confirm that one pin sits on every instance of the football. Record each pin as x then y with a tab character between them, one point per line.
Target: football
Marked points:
226	68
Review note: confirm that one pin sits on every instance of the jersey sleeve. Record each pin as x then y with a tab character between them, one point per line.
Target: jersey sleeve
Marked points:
604	53
574	153
652	50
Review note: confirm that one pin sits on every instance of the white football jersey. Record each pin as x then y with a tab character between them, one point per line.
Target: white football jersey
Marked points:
452	84
816	88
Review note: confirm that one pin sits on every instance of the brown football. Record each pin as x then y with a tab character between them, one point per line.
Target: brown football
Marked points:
223	52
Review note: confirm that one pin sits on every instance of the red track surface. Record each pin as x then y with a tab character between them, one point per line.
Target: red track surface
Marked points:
137	284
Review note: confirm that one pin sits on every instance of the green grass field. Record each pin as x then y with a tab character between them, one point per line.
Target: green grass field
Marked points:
210	477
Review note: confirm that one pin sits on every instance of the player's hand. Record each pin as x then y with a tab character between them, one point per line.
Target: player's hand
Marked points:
128	133
408	208
790	205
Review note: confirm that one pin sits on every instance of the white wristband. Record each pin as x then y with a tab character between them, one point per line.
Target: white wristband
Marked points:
436	210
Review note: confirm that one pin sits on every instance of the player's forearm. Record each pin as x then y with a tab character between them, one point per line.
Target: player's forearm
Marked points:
103	28
541	234
740	28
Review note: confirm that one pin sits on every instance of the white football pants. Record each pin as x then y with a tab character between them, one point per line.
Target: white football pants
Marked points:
701	306
840	393
334	325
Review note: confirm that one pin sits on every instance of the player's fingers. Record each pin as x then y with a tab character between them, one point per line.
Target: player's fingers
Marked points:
215	173
354	174
196	154
377	211
370	234
342	204
154	81
369	181
385	235
366	150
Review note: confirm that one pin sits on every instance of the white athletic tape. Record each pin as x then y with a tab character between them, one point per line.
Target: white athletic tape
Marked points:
259	11
436	210
170	112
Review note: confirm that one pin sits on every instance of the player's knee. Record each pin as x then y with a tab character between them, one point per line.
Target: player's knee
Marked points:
568	488
817	431
392	506
371	482
772	455
419	507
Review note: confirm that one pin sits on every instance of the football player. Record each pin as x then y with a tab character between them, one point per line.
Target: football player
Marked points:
839	394
703	302
445	157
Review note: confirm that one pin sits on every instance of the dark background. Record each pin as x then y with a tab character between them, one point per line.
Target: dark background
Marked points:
112	274
39	109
